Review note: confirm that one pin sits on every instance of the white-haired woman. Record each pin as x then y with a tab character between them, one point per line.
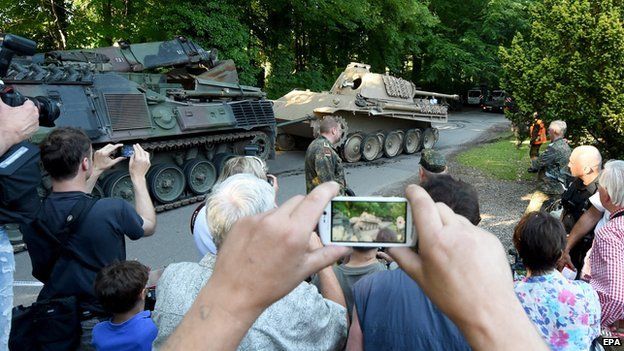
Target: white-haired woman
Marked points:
236	165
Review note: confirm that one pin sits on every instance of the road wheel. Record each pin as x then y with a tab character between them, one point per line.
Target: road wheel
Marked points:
119	185
429	138
381	136
285	142
200	175
371	147
97	191
392	144
412	141
166	182
351	148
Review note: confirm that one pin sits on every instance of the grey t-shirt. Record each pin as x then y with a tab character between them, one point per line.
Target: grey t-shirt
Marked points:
347	276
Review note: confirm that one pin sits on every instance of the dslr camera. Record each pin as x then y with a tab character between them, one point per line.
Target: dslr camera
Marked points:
10	44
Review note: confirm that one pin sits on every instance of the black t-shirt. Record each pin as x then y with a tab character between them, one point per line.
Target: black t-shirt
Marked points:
575	200
99	240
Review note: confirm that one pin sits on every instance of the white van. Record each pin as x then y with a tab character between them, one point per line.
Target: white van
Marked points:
474	97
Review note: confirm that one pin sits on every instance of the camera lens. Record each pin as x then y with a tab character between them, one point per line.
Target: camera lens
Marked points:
49	110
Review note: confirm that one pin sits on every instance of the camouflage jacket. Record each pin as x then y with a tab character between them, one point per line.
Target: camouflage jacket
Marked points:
553	164
322	164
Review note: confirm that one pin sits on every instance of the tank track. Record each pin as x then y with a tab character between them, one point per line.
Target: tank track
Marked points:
168	145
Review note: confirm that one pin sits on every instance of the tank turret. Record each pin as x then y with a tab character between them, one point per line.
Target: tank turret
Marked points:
385	115
179	101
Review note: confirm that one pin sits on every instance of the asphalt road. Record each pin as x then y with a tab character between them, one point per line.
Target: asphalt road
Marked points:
172	241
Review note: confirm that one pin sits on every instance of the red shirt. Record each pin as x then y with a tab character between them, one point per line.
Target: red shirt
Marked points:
607	268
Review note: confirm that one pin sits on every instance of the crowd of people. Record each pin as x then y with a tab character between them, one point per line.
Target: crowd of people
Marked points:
264	280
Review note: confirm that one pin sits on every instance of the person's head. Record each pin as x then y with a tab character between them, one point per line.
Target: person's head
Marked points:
432	162
585	161
611	185
557	129
539	239
535	115
460	196
244	164
331	129
238	196
121	286
66	153
386	235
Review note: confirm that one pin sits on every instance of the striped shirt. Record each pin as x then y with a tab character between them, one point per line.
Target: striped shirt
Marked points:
607	268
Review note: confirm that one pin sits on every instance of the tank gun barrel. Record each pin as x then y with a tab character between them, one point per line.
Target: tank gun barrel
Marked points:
438	95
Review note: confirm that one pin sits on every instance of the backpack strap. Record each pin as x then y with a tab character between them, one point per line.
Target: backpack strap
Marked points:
75	217
72	222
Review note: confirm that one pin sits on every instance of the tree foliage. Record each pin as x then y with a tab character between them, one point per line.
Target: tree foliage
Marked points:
569	66
279	45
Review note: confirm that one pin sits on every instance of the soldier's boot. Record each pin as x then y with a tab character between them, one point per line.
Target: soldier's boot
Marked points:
533	168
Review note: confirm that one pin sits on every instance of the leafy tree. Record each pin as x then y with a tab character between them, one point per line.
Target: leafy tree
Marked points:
569	66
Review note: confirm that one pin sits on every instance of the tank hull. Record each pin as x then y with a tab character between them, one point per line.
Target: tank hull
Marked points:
190	119
367	103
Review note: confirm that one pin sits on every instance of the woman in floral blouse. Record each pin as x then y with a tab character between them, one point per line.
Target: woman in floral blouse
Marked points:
567	313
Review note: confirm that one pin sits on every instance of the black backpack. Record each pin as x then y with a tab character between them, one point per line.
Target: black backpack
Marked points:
46	247
51	324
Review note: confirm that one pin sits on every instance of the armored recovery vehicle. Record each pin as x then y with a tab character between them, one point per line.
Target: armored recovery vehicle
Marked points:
177	100
384	115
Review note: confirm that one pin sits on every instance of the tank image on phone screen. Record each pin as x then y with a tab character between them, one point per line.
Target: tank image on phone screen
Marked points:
367	221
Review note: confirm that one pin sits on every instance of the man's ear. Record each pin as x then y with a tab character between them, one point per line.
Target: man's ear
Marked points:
85	164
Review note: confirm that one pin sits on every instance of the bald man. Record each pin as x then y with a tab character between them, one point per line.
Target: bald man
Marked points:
585	165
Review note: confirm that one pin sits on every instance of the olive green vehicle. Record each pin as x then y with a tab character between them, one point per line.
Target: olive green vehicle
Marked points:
384	115
177	100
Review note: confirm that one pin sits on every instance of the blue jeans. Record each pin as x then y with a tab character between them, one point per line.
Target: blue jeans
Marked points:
7	267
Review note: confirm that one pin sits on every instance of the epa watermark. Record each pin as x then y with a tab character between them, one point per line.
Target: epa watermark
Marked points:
611	342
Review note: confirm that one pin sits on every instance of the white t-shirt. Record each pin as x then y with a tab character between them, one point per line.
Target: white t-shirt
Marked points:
595	201
202	236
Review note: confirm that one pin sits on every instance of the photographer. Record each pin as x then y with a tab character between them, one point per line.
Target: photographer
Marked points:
16	125
87	233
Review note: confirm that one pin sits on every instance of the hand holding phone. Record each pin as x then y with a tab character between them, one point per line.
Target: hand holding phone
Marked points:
367	222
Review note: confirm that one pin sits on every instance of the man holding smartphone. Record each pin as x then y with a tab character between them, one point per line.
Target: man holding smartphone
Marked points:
322	162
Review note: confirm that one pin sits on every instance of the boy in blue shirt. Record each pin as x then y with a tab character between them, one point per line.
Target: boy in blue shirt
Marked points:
120	288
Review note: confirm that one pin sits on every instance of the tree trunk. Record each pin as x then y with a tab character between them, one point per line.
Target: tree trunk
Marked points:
59	13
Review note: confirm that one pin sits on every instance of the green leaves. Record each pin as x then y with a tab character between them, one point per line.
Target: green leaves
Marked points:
441	45
569	67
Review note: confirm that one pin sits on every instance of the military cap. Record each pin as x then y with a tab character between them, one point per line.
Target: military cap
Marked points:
433	161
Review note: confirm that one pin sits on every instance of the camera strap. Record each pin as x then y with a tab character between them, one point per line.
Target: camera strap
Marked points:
16	157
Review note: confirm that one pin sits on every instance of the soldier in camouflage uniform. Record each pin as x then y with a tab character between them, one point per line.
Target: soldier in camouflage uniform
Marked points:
552	166
322	163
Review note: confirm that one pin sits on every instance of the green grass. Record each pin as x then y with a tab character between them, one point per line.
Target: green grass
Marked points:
500	159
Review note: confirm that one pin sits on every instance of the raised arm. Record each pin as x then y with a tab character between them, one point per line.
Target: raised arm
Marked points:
139	164
241	287
464	271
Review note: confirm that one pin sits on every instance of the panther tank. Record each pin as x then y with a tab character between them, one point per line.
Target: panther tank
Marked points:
383	115
177	100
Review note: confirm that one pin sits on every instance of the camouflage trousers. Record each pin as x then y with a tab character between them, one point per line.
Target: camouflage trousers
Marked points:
547	192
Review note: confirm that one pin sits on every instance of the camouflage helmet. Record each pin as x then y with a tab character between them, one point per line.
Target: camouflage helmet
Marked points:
433	161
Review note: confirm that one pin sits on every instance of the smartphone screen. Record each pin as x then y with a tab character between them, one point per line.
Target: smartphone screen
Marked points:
368	221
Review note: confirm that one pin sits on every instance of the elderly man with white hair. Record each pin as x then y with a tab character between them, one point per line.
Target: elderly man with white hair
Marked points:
552	167
302	320
607	255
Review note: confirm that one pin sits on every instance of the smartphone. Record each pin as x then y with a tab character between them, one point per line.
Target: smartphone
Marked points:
367	222
126	151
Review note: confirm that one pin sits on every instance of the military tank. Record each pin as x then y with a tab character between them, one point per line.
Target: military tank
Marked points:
176	99
384	115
